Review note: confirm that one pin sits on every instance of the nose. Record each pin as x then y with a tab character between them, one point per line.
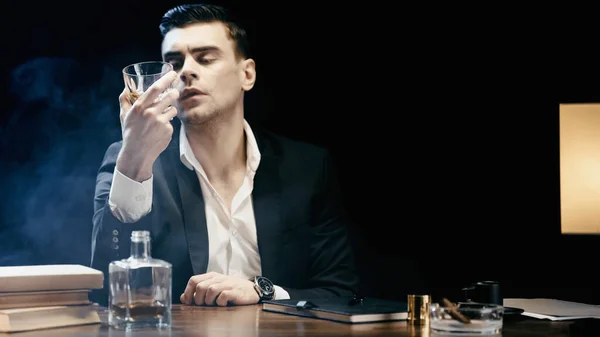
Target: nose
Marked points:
188	73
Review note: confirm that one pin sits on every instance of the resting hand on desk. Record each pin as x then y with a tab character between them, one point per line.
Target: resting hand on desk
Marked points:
218	289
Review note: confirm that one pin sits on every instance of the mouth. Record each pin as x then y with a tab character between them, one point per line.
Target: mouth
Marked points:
186	94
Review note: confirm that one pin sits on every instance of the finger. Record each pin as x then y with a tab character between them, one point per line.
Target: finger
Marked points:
226	296
124	103
214	290
154	91
190	288
170	96
202	288
169	114
124	99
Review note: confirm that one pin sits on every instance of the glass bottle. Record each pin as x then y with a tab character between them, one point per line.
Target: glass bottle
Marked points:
140	288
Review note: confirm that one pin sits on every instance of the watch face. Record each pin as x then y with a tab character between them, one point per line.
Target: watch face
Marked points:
265	285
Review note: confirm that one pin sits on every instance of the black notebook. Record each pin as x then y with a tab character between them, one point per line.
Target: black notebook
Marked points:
341	309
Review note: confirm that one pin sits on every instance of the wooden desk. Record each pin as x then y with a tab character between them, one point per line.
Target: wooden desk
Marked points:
251	321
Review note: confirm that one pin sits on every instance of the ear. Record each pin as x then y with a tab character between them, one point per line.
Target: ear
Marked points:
248	74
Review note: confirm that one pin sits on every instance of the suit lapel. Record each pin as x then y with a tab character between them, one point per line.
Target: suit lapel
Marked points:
266	197
192	204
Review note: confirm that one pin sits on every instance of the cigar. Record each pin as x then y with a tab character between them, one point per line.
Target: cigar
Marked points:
454	313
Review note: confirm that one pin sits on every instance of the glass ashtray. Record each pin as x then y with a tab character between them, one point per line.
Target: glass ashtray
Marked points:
466	318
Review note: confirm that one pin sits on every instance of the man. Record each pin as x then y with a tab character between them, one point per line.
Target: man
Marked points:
224	203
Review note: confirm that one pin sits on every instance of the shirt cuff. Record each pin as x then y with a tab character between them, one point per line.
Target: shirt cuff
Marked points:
129	200
281	294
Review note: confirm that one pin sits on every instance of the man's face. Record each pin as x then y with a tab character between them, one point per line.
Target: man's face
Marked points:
211	78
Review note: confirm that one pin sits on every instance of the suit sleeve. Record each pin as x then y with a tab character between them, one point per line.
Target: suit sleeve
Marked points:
110	236
332	268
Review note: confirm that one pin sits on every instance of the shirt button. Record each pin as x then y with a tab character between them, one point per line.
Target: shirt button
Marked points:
115	232
115	246
115	239
140	197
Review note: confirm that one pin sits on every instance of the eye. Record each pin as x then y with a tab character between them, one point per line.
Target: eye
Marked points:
205	60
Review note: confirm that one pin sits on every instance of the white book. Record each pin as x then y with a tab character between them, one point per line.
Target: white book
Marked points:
27	319
49	277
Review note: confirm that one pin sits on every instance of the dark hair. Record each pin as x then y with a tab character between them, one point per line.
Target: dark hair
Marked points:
183	15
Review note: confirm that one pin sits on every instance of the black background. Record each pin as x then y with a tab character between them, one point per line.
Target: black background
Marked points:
443	122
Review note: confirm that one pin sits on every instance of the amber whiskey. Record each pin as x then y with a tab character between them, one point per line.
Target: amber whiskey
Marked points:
140	288
140	310
133	96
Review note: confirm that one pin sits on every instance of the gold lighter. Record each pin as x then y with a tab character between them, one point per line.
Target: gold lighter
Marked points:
418	309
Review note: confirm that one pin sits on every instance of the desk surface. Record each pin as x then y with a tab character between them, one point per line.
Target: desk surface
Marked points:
251	321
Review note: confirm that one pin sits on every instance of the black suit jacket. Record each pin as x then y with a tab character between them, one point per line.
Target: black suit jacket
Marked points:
301	230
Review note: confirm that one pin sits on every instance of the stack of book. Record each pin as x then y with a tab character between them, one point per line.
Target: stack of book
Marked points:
47	296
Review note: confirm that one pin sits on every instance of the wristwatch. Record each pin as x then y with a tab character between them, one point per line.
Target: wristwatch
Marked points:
264	287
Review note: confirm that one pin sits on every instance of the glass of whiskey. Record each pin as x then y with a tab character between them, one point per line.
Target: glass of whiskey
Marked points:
140	288
140	76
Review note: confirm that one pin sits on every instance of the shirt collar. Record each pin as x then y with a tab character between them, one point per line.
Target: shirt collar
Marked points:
252	152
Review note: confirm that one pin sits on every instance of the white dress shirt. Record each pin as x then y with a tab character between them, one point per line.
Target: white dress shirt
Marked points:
233	248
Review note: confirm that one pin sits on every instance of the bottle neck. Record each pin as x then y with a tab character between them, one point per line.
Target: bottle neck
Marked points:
140	249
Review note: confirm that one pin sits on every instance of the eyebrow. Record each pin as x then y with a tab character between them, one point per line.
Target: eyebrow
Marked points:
204	49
